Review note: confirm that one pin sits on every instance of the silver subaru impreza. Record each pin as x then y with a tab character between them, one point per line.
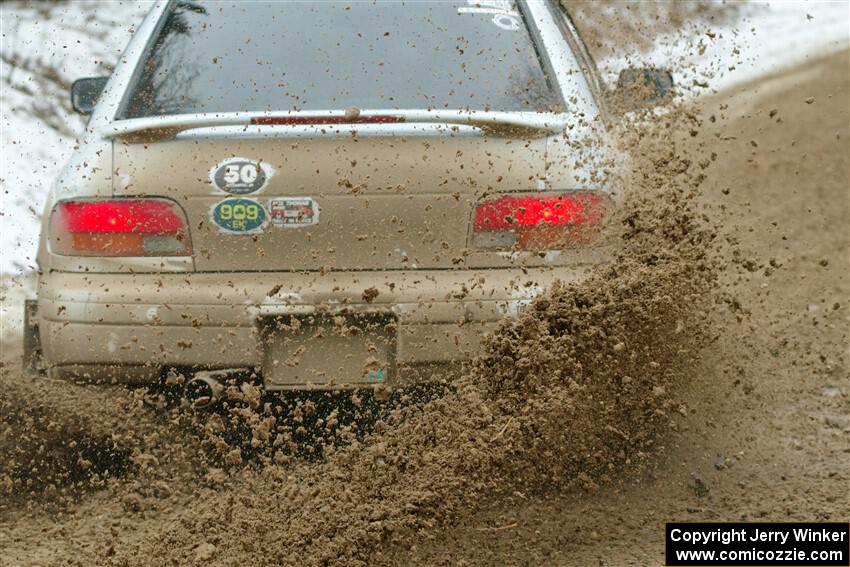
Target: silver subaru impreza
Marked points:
325	194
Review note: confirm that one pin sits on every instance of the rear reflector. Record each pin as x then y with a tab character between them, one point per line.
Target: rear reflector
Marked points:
377	119
539	222
119	227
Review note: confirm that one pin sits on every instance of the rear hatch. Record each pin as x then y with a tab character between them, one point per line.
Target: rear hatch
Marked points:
277	167
330	201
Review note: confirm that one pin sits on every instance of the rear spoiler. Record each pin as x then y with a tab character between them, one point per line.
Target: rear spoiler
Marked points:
501	124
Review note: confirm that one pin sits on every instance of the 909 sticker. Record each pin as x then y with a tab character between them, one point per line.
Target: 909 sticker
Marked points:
239	216
241	176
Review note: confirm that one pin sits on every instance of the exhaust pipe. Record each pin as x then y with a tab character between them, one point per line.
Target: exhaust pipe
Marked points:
204	389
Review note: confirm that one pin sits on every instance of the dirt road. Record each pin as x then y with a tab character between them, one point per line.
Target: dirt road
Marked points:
760	430
764	433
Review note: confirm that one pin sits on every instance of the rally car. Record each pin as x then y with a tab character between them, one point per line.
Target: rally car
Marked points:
326	195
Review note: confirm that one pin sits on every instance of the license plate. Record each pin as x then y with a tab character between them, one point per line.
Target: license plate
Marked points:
326	350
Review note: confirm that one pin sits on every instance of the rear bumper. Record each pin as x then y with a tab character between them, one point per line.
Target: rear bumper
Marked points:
92	323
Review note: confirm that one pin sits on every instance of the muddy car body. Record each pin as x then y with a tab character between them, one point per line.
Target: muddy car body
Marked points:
417	173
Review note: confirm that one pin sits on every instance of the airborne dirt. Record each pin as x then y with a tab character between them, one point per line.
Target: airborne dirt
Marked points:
703	375
762	431
561	399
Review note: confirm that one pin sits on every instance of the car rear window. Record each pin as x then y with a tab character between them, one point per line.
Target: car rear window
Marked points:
281	56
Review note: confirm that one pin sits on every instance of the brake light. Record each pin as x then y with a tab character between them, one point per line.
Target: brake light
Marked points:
367	119
539	222
119	227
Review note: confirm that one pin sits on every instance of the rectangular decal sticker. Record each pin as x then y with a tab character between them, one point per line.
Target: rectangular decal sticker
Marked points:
294	212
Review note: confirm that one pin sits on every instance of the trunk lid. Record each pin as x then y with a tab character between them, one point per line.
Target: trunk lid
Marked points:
350	197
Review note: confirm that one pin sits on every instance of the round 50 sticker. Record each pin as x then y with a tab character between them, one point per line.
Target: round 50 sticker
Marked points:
241	176
239	216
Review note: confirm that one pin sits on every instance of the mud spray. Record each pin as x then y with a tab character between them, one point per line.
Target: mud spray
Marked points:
578	390
575	391
566	396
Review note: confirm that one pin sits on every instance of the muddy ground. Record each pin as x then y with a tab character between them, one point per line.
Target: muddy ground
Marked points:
721	371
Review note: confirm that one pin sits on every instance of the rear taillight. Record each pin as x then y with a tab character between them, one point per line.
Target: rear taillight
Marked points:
119	227
539	222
